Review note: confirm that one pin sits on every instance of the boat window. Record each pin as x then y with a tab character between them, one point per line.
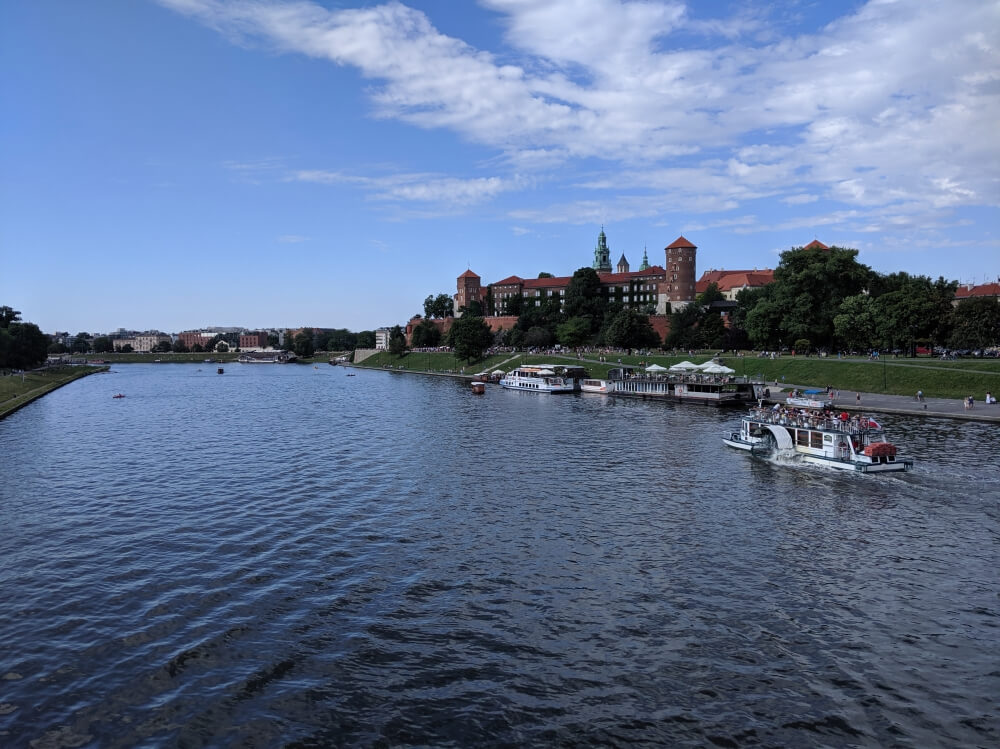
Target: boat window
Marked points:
816	439
802	437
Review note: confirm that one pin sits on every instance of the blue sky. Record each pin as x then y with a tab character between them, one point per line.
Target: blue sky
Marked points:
178	163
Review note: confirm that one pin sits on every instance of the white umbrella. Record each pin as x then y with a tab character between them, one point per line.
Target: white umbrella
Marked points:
684	366
717	369
655	368
498	371
546	372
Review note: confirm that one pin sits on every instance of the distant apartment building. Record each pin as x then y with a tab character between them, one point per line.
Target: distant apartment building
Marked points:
256	340
142	343
382	339
191	338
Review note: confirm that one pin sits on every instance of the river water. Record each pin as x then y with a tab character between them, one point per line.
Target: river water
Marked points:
291	556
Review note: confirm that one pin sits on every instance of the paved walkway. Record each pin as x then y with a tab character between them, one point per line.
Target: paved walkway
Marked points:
902	404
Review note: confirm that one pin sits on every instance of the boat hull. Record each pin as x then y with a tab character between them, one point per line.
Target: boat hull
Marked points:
856	463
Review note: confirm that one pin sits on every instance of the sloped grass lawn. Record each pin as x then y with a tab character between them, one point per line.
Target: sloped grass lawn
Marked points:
17	390
936	378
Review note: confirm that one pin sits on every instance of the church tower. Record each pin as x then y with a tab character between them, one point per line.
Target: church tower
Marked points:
602	255
623	264
679	282
645	260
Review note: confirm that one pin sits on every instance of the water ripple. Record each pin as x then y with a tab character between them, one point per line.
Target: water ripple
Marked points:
283	556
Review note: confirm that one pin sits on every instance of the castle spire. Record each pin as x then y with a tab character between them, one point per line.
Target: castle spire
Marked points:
602	255
645	259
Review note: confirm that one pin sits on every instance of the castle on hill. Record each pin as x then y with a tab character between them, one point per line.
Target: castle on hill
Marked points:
658	288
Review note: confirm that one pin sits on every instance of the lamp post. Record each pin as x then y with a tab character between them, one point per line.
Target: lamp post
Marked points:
885	386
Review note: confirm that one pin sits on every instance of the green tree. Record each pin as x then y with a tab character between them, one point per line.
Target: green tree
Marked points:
426	334
22	346
543	274
366	339
57	348
575	331
855	324
584	298
303	344
103	344
976	323
709	295
162	346
8	315
809	286
222	347
179	347
470	337
474	308
712	329
684	328
126	349
272	340
629	328
439	306
81	344
397	341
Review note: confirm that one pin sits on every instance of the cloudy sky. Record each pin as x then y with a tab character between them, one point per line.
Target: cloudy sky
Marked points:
177	163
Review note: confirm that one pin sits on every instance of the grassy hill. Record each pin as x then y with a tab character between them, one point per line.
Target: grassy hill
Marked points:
937	379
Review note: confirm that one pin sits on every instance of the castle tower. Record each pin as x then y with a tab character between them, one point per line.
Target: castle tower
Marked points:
469	290
623	264
645	260
680	267
602	255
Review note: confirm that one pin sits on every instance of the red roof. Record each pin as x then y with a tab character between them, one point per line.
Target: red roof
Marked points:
680	242
727	280
983	289
653	270
815	245
547	283
509	281
468	274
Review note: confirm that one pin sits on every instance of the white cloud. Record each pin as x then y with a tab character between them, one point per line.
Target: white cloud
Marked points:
892	103
292	238
417	187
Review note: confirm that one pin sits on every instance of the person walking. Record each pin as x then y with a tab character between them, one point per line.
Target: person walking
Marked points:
920	396
857	398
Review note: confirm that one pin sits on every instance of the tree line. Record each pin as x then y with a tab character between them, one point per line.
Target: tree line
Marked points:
820	300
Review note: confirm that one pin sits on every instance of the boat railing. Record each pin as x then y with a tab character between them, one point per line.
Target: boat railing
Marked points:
828	423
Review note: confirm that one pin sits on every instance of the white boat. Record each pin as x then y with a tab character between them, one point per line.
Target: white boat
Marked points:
596	386
684	387
539	378
820	438
809	399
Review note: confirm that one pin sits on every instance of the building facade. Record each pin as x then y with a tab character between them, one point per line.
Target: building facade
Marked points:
257	340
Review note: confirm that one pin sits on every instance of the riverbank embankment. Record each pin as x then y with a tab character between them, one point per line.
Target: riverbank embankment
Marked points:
20	389
947	376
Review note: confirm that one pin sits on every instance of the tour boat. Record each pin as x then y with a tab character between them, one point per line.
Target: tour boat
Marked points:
821	438
478	387
538	378
686	387
596	386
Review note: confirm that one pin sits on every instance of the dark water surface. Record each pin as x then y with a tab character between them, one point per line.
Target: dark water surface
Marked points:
287	556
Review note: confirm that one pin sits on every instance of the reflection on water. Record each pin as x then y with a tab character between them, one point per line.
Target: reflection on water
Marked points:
284	555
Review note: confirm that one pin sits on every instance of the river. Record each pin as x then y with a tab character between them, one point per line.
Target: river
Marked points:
313	556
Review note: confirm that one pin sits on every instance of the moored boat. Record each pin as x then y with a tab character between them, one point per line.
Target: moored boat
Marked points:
539	378
596	386
686	387
478	387
821	438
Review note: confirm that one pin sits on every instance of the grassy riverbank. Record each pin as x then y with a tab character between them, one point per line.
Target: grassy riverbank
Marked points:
19	390
936	378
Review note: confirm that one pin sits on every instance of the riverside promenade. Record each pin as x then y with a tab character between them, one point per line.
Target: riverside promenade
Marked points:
951	408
